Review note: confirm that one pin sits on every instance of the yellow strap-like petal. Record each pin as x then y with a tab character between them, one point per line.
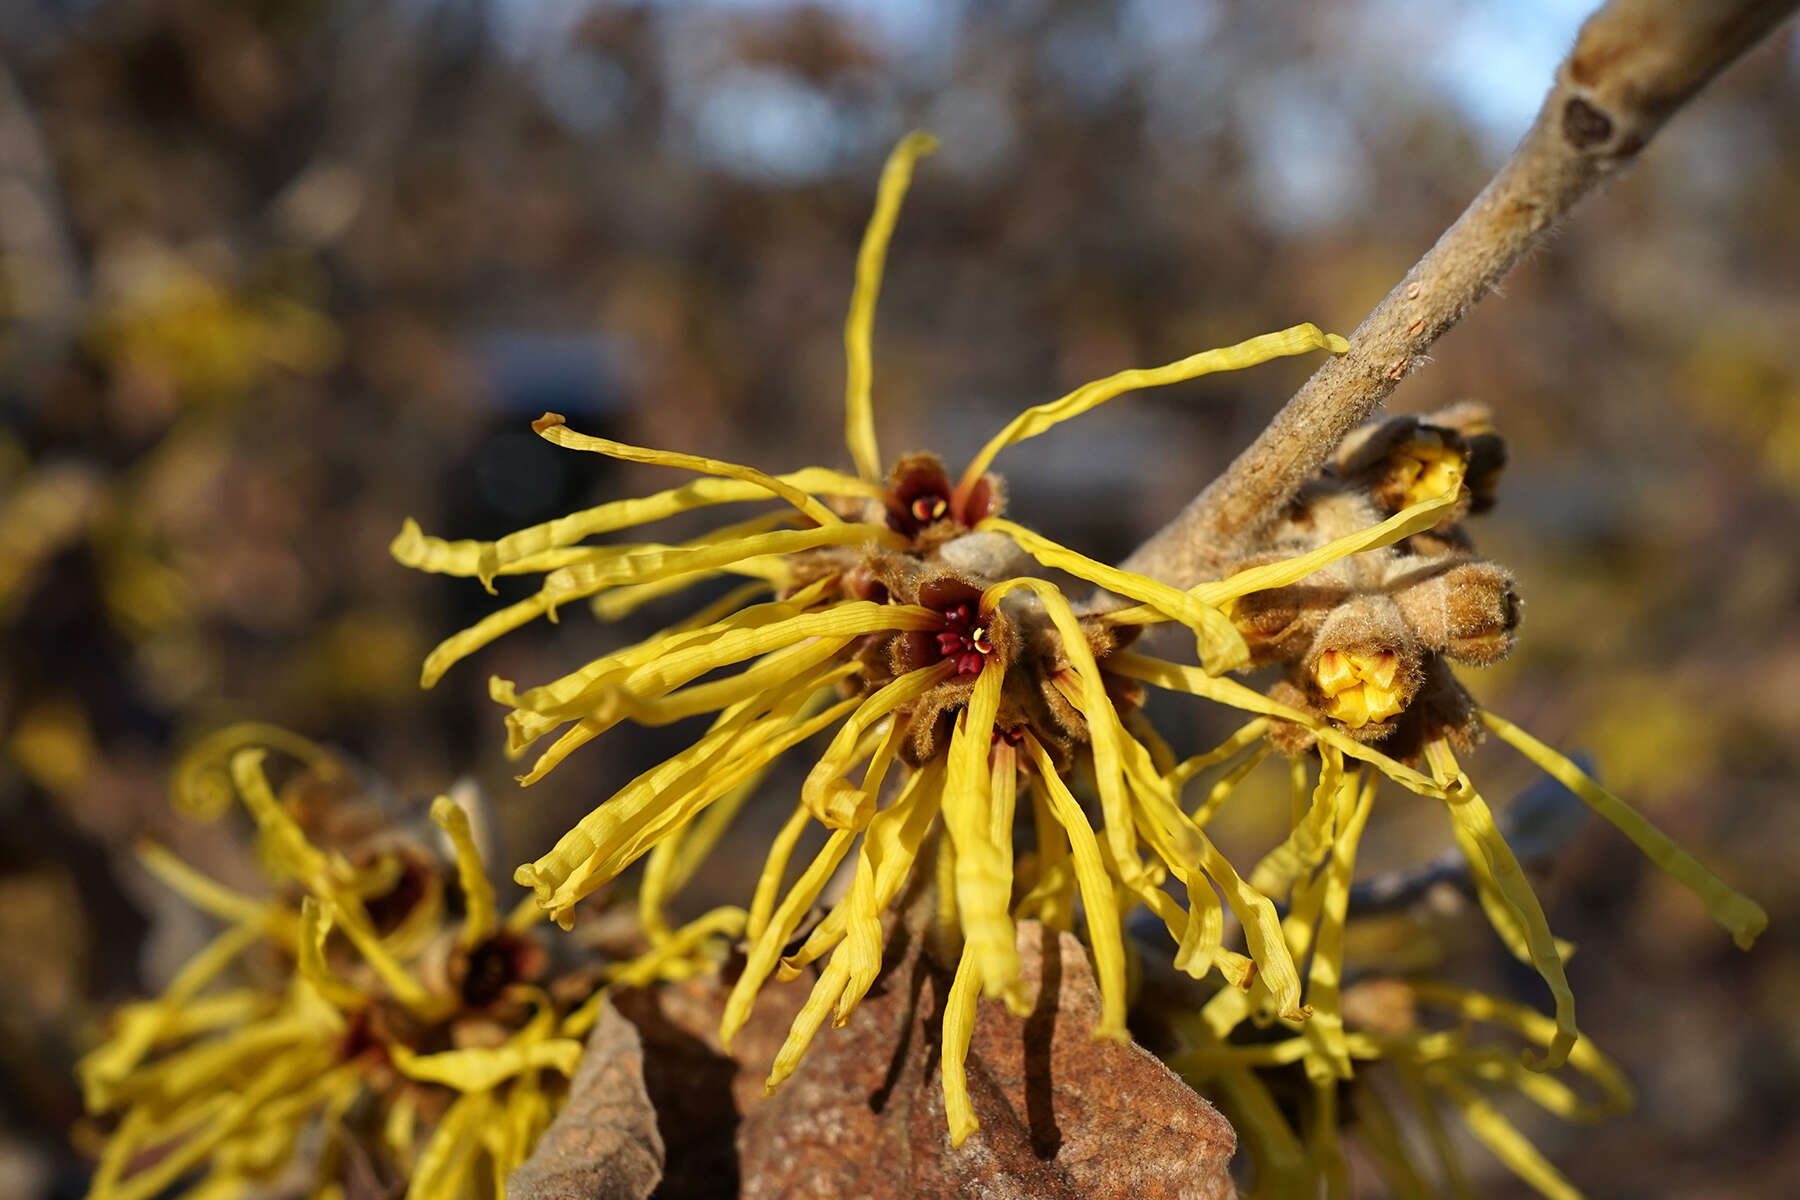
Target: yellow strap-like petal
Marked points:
208	895
282	837
1322	1143
322	876
812	1014
678	957
1504	1139
640	565
1743	917
552	428
1035	420
983	869
765	951
479	1068
1194	681
1495	864
667	797
1225	785
1455	1180
1310	840
1097	897
755	753
1326	974
1248	734
958	1031
836	804
1380	1135
479	916
1416	519
139	1027
859	409
851	618
440	1173
315	926
484	560
596	688
673	861
890	846
1585	1057
1221	646
1426	514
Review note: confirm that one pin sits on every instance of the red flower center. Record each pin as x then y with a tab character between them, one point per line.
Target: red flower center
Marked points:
964	639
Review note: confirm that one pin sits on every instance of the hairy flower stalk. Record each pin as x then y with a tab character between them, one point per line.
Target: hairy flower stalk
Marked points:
902	614
371	1019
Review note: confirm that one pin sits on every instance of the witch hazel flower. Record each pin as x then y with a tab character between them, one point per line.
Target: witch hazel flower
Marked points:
898	614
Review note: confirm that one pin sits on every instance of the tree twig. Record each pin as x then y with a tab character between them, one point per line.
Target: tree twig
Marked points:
1634	64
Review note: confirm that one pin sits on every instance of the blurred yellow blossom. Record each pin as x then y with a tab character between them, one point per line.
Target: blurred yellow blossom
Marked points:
356	1007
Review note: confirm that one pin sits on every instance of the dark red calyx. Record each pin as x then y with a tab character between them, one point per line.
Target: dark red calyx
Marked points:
919	494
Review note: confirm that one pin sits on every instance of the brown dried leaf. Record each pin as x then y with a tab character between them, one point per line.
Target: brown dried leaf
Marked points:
604	1144
1062	1115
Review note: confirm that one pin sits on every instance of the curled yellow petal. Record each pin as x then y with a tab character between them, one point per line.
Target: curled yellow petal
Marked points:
201	785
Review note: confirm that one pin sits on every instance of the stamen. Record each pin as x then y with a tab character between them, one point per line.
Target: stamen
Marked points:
927	509
962	640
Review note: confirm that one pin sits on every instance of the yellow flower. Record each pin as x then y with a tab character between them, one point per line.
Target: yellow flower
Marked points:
1288	1100
902	613
438	1044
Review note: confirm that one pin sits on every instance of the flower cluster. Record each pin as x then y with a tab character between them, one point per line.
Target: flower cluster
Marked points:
904	615
388	1017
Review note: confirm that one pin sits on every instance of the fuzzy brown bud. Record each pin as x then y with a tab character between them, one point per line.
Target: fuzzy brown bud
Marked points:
1469	611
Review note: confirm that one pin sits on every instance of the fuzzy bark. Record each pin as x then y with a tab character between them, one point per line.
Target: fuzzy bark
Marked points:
1634	64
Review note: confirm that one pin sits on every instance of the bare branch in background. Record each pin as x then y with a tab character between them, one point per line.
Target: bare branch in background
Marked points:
1634	64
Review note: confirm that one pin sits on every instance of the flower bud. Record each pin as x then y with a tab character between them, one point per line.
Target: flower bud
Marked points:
1469	612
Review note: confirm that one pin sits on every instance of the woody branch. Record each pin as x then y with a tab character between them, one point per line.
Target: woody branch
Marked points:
1635	63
